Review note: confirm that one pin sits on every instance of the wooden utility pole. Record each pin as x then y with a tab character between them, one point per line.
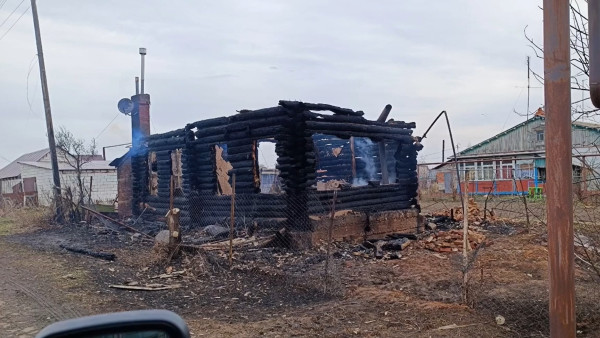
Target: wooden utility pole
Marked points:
559	186
49	127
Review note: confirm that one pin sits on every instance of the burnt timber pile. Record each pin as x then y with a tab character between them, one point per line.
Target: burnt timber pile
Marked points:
319	147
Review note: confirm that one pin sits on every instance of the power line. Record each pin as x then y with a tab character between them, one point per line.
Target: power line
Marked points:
11	13
31	65
2	3
109	123
14	23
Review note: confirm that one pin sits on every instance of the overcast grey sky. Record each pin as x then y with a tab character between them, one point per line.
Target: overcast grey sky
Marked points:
210	58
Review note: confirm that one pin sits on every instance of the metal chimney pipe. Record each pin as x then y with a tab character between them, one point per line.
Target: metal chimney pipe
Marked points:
143	55
594	46
137	85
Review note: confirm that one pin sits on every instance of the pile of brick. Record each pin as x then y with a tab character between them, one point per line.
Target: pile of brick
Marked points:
452	241
474	212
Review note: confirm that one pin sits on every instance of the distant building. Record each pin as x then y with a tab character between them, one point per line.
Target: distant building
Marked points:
28	179
514	161
269	181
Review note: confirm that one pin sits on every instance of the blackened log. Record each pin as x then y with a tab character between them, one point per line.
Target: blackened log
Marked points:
385	113
205	179
174	133
241	171
200	147
335	143
164	148
291	161
235	139
351	119
246	148
162	152
204	169
333	127
179	142
245	201
241	163
238	157
412	125
218	121
101	255
302	106
259	209
247	190
222	134
259	113
404	139
244	125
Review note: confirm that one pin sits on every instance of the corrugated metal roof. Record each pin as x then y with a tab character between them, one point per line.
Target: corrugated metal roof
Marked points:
586	124
117	161
580	124
94	165
13	169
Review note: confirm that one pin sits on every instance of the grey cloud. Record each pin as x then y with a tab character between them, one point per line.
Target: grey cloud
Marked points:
210	58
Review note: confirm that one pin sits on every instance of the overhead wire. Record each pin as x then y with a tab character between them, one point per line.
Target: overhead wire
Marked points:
31	64
14	23
109	123
2	3
11	13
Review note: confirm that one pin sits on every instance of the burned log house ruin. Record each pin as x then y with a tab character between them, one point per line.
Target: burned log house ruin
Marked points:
319	147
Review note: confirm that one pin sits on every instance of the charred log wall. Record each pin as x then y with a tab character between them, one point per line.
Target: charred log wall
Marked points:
304	139
162	145
334	158
239	135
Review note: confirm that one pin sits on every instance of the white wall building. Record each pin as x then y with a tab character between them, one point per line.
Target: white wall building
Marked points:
28	179
101	176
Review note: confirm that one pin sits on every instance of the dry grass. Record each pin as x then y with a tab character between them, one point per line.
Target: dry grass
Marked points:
20	220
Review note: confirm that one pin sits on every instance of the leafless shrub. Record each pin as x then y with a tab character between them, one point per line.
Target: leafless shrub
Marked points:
77	153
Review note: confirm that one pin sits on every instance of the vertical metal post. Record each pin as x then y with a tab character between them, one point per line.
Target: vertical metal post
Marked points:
559	187
232	226
330	238
48	112
143	54
137	85
443	150
353	158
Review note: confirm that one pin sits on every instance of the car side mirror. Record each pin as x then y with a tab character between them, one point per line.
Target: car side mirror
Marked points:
131	324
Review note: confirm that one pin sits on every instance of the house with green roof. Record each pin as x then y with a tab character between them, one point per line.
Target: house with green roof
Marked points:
514	161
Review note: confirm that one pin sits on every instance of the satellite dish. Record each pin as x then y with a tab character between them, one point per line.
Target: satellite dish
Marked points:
125	106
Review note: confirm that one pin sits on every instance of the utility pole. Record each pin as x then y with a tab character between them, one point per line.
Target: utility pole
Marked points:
559	186
49	127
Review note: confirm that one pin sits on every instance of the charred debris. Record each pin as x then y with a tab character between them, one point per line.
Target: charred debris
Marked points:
319	148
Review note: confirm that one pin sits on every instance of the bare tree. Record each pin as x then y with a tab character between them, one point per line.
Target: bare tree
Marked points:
78	152
580	62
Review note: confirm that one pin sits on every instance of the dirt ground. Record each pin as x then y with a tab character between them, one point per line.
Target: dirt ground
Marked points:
276	293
